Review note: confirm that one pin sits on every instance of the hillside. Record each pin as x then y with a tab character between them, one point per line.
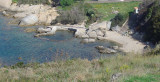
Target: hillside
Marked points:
128	68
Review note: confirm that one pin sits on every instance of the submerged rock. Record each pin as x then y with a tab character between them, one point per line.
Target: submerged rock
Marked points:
107	51
103	50
100	47
30	30
88	40
114	47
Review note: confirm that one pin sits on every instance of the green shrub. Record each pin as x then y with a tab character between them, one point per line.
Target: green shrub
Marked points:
91	13
14	1
65	3
118	20
152	26
73	16
18	65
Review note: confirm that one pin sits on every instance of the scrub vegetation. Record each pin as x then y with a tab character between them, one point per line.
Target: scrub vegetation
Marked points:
132	67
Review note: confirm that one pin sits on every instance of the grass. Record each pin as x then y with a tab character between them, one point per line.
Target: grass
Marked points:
122	7
14	1
145	78
134	68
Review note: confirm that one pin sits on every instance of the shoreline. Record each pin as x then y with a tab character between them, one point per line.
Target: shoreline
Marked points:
128	43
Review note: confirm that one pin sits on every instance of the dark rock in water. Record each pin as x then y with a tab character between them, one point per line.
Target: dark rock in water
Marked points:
30	30
104	50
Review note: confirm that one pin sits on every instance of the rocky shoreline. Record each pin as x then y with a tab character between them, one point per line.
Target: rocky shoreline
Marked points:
44	14
93	33
29	14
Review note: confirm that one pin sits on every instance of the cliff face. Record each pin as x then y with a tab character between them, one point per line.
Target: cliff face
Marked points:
5	3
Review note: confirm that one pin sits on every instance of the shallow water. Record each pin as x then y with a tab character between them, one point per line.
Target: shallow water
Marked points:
15	43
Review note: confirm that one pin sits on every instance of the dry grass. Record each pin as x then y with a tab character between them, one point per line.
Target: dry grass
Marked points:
84	70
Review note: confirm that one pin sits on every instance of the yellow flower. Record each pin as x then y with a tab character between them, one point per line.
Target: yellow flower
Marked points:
124	67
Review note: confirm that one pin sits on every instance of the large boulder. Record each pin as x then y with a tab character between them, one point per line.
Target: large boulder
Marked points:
5	3
80	32
92	34
103	25
99	33
29	20
46	31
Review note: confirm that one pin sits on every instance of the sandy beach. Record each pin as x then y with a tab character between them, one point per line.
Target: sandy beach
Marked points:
128	43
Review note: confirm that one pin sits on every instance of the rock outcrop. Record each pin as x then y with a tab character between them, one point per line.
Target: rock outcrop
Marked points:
93	33
5	3
29	20
44	13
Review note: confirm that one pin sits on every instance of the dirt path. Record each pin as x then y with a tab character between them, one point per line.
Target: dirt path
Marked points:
128	43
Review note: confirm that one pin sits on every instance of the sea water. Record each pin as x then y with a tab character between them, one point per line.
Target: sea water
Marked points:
19	46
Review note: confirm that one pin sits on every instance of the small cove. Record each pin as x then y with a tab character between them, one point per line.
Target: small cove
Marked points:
15	43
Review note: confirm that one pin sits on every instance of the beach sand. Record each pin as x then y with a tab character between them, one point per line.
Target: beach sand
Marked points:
128	43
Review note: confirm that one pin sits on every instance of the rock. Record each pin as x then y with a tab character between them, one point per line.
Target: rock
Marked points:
4	13
100	47
43	30
107	51
80	32
84	41
5	3
115	47
99	33
46	31
115	12
85	36
92	34
101	38
104	50
29	20
91	40
115	77
88	40
103	25
98	25
30	30
108	25
116	28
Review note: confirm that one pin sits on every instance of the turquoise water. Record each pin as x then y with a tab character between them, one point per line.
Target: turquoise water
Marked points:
15	43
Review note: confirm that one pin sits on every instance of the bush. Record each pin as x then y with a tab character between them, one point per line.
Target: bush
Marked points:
91	13
118	20
73	16
78	13
64	3
152	26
